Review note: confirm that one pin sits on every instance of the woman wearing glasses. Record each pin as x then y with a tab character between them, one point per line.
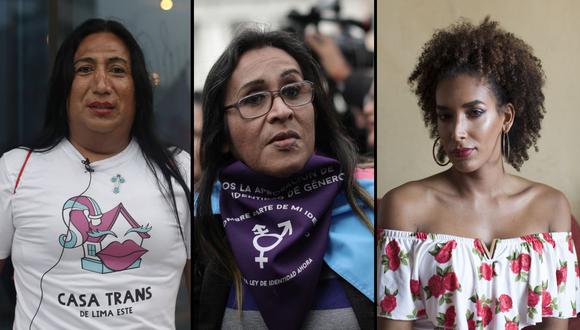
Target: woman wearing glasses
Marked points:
474	247
283	220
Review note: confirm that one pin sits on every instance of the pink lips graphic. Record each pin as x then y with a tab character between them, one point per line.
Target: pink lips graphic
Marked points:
119	256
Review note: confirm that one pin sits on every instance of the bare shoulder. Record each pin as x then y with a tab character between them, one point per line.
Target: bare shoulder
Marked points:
405	207
548	203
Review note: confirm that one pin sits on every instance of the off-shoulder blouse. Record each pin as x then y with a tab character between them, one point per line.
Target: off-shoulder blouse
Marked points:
452	282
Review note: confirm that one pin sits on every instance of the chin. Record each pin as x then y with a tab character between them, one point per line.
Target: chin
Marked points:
284	170
102	127
465	166
284	167
100	130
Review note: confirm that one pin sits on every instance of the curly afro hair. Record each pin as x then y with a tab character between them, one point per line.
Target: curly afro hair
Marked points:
504	61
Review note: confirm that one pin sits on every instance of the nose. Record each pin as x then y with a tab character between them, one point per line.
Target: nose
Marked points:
101	83
459	132
280	111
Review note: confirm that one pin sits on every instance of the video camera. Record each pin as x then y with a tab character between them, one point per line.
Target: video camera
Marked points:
352	46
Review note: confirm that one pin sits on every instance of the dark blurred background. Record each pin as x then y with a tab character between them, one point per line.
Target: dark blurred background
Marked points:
31	32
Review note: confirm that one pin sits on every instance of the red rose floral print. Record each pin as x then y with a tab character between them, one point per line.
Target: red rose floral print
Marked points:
451	282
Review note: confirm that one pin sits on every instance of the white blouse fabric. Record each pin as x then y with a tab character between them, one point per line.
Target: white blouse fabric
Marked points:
456	283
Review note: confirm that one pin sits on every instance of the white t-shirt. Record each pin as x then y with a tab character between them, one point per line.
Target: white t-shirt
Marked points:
124	255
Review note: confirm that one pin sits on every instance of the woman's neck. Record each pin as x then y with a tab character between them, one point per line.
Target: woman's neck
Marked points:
488	181
98	149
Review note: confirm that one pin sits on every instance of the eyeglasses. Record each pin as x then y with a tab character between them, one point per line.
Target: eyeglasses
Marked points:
258	104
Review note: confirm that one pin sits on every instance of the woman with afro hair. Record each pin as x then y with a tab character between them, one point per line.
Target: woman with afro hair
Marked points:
473	246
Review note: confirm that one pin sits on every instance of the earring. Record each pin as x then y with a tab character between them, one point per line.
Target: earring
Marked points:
505	145
435	155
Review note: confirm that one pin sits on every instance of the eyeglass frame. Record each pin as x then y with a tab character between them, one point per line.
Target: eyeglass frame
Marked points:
273	94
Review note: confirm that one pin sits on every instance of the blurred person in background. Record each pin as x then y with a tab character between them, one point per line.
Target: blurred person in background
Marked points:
283	216
341	45
349	85
369	115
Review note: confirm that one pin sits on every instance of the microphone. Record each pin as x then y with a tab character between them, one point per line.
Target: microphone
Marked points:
87	164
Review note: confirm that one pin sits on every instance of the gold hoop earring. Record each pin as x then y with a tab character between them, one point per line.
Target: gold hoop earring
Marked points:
505	145
435	155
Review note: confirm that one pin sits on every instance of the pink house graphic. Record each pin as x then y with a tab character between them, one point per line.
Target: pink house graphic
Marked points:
112	241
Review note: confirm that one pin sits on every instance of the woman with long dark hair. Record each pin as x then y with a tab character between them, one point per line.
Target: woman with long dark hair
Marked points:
283	226
96	213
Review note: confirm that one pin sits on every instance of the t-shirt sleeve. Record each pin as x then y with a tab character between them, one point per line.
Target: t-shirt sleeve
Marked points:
398	287
6	223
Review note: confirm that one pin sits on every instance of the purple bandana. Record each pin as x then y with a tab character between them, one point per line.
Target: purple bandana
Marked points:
278	231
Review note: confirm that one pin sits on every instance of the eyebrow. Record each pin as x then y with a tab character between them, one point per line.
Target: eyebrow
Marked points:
109	60
259	82
290	72
464	105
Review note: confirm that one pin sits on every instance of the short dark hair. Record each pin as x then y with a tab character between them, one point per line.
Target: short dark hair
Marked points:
56	119
330	138
505	62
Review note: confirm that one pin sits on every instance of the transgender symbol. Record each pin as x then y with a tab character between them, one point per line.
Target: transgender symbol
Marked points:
261	231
